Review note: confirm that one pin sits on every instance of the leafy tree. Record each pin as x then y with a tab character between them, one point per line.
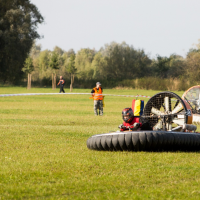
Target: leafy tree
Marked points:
28	65
28	68
98	65
54	61
192	71
54	64
141	64
44	61
70	52
123	61
161	66
71	66
114	62
83	61
35	50
58	50
177	66
71	69
18	23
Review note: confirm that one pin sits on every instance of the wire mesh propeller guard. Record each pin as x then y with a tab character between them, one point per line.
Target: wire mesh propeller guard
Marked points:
166	111
192	96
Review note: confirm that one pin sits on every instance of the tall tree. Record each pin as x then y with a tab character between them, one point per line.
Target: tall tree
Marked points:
83	61
123	61
192	71
71	69
58	50
18	24
54	64
177	66
98	64
35	50
161	66
43	61
70	52
28	68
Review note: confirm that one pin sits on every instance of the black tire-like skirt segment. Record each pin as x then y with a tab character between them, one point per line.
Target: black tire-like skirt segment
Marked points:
145	141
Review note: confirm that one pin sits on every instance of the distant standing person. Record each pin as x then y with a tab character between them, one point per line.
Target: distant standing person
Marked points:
98	99
61	83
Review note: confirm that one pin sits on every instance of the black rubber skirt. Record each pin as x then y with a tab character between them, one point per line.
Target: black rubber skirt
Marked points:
145	141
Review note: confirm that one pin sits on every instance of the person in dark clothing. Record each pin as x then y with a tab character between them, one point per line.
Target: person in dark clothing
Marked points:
61	83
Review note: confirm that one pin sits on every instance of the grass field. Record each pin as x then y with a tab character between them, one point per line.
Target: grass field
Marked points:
43	152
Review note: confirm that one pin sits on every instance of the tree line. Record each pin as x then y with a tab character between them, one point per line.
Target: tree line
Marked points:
114	64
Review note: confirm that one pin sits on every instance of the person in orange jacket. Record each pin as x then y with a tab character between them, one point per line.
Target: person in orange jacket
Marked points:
98	99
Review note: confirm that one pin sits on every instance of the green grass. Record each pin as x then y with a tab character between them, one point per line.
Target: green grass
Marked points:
43	152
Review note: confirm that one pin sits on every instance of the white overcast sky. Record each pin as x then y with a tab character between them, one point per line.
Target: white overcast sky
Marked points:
159	27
